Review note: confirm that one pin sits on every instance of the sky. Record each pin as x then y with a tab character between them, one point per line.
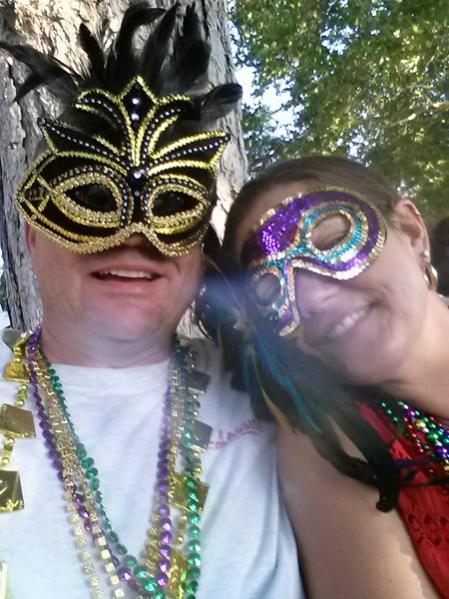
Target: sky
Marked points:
274	101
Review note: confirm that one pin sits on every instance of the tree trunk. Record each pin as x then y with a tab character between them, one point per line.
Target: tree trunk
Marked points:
51	26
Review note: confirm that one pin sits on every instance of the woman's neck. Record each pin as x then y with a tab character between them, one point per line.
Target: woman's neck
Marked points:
423	378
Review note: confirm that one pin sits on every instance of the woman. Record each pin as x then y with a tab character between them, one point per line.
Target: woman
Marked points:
336	273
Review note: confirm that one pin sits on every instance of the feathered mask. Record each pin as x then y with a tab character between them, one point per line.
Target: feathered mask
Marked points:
131	153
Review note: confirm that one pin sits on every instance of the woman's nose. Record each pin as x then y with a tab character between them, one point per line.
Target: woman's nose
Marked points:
314	292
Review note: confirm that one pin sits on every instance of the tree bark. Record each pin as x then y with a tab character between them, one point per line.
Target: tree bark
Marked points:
51	26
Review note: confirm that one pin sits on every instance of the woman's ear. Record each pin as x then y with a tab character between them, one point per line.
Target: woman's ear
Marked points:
411	224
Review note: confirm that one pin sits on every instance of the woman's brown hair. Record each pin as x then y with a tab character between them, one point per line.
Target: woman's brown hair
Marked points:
313	171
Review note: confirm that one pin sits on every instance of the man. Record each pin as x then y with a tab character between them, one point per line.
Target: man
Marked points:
153	486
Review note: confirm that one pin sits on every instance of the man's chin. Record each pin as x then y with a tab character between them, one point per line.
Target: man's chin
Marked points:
127	327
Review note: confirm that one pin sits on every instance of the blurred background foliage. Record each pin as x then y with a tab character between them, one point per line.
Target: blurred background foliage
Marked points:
365	78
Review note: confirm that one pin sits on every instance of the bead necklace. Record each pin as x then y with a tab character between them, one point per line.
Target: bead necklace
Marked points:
15	423
165	571
430	437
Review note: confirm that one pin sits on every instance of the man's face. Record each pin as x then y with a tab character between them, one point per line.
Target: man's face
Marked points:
129	293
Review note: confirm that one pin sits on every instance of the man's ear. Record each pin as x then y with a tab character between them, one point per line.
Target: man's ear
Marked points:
411	225
30	237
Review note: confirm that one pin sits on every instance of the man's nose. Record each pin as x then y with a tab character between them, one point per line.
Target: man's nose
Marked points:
141	242
137	240
314	292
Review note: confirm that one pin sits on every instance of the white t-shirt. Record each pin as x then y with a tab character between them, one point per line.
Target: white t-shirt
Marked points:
248	549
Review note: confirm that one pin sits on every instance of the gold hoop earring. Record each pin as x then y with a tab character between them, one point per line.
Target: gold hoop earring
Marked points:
430	272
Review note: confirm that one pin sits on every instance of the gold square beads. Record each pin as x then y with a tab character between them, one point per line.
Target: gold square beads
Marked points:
11	498
16	423
180	492
16	372
201	434
197	381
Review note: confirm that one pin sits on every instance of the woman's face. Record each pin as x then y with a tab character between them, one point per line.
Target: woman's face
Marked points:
363	328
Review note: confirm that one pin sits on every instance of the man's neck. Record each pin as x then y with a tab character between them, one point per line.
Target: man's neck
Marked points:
423	379
103	350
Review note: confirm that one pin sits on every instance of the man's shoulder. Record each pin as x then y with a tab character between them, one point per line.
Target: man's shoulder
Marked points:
7	338
207	355
226	409
209	359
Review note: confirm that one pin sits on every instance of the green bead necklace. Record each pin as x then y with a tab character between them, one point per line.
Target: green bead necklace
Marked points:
171	563
430	437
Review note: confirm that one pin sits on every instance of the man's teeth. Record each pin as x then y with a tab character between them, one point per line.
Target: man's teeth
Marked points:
128	274
347	323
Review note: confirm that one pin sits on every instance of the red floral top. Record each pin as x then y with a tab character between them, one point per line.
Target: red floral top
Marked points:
424	510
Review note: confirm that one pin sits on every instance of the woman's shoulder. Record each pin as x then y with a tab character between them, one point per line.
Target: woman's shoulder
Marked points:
300	462
349	548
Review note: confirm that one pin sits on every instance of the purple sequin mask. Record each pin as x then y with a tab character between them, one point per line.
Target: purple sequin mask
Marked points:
283	241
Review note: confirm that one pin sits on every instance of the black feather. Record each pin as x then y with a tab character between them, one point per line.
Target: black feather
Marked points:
30	83
38	61
181	72
94	51
155	51
190	55
218	102
121	58
46	70
136	16
62	92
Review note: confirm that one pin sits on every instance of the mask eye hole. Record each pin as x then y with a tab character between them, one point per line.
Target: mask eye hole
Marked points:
267	289
330	231
171	202
93	196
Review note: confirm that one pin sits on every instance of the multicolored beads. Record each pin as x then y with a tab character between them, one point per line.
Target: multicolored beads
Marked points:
165	571
430	437
15	423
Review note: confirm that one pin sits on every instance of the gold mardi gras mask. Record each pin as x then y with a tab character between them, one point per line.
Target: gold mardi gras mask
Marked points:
128	161
89	194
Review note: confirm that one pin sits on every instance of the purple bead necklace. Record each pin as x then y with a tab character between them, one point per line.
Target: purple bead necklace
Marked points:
164	572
